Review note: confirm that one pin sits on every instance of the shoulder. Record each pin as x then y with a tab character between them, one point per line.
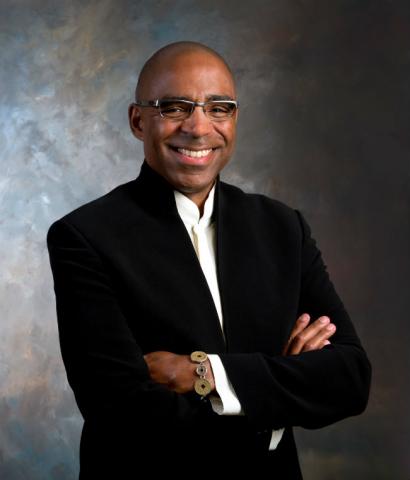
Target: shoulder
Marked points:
107	209
266	214
260	206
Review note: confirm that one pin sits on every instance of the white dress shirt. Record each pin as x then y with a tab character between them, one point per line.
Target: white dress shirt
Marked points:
201	230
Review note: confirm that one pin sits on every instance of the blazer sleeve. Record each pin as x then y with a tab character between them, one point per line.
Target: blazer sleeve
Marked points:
315	388
104	363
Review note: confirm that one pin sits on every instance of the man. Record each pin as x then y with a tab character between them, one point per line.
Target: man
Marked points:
194	318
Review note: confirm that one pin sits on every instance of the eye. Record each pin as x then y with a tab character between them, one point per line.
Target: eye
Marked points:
173	108
221	109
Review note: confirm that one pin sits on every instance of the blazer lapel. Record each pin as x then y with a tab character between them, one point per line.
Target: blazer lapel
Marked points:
249	274
174	250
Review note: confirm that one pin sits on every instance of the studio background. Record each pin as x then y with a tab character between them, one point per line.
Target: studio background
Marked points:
323	126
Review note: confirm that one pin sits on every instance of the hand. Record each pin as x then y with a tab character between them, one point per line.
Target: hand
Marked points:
304	338
177	372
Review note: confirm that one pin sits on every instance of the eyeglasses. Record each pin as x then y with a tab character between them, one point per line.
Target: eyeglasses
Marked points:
177	109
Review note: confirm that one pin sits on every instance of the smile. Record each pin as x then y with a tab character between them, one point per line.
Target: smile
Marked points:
195	153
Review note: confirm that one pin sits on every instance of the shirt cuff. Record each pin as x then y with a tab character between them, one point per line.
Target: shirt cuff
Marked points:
228	403
276	438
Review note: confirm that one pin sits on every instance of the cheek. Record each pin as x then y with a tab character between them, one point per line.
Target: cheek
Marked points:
159	132
165	133
229	134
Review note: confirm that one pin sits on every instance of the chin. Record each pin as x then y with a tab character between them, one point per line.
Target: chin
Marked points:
193	181
192	187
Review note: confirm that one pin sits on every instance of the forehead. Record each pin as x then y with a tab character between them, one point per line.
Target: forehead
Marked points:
195	75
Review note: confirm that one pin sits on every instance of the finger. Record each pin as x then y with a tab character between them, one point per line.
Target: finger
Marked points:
300	325
316	342
307	334
323	344
326	342
298	342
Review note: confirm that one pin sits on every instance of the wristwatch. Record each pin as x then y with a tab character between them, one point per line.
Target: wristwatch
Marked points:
202	385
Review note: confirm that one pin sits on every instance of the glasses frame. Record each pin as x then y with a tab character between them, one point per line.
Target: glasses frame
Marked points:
156	104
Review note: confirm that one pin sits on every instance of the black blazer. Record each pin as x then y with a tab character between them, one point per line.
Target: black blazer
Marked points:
127	281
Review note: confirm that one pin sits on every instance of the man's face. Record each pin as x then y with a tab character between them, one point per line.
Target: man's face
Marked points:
198	77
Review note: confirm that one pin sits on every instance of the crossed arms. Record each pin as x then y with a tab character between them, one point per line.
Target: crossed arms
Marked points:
312	384
177	372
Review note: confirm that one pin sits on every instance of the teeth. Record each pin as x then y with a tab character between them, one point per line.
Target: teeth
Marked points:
194	153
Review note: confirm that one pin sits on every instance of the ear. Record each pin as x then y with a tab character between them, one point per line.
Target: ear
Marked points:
136	123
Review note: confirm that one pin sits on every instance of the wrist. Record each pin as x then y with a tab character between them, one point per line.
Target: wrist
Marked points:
210	375
204	383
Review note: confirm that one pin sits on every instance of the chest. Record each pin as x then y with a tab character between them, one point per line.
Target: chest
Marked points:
166	297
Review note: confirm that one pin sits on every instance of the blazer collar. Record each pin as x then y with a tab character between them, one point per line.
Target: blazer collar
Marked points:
157	194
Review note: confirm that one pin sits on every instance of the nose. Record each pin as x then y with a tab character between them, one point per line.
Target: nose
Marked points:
197	124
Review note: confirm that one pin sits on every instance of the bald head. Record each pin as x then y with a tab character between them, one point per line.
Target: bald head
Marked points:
169	54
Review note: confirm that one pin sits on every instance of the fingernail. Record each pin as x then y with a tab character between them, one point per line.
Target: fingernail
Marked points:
324	320
305	318
330	327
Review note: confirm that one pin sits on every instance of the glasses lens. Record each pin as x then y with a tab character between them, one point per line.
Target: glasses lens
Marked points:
220	110
174	109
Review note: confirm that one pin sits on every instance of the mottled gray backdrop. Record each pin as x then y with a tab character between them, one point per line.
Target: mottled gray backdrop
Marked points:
323	126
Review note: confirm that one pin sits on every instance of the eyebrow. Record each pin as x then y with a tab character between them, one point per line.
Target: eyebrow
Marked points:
208	98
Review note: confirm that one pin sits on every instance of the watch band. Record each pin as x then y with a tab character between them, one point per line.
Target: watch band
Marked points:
202	385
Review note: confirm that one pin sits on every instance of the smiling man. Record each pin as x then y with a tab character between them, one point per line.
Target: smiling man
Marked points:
195	318
188	151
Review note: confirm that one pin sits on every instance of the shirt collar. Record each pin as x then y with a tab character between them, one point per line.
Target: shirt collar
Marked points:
189	211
